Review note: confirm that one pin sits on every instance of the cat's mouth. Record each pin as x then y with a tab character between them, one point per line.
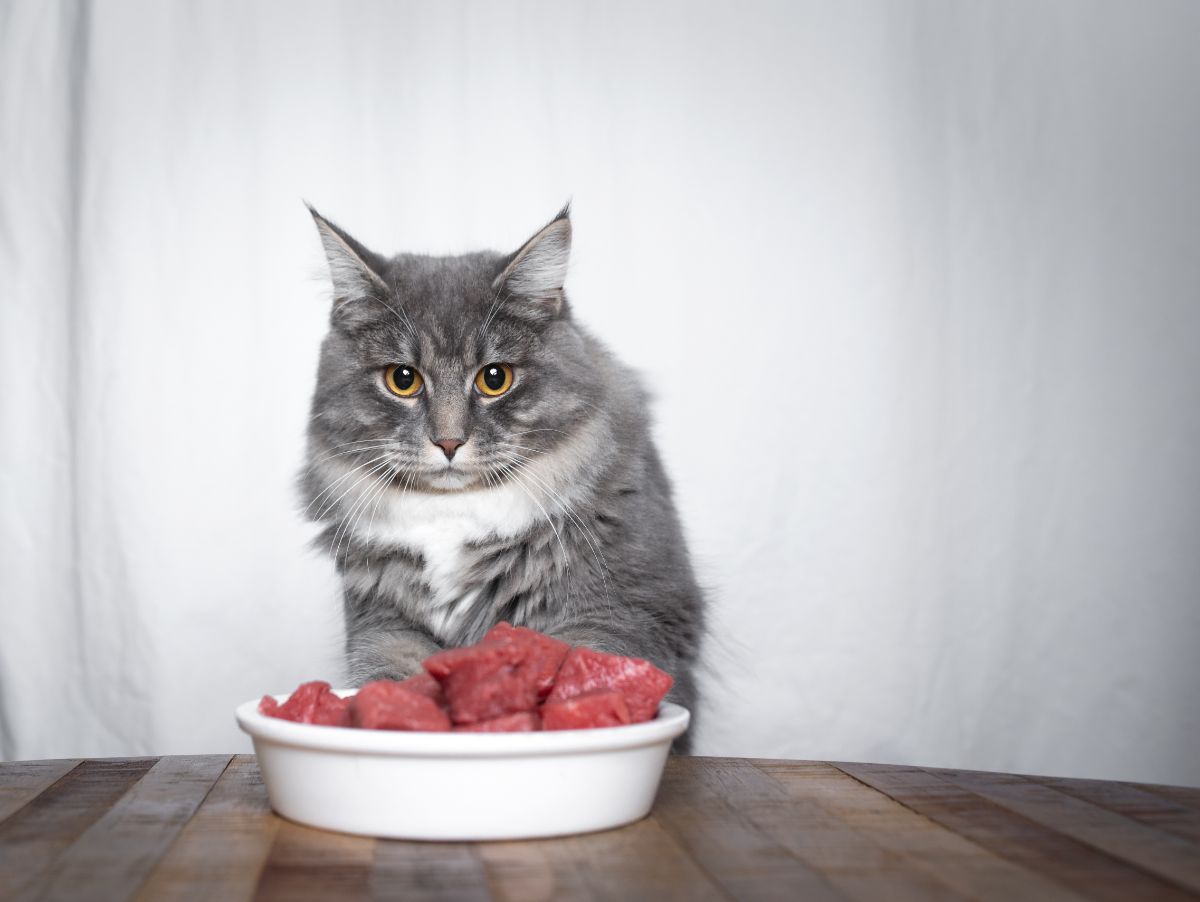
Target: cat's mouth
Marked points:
455	476
441	479
451	479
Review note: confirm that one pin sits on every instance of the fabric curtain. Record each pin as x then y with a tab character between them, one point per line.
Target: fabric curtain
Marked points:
914	284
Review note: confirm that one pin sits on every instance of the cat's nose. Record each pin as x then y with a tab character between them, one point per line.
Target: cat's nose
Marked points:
449	445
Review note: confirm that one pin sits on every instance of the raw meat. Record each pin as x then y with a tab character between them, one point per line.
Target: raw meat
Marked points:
514	680
311	703
543	654
389	705
484	681
521	722
599	708
642	684
426	685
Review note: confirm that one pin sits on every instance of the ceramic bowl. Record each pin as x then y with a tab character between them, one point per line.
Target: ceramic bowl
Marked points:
461	786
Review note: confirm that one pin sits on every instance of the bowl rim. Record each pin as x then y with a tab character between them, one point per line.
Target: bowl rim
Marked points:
671	721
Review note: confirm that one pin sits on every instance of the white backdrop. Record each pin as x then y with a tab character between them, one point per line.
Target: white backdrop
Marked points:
916	284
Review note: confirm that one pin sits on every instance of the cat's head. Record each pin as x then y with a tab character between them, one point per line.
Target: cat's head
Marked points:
446	373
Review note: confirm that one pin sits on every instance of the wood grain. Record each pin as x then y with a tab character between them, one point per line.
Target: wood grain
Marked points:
742	858
1010	835
1187	796
234	826
1154	851
428	872
639	861
305	863
115	854
33	837
922	844
1134	802
849	860
192	828
26	780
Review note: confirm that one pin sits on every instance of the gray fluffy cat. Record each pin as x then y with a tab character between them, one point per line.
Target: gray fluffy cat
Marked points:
475	455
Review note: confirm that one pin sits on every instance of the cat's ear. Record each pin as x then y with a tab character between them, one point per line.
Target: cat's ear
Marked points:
535	274
353	278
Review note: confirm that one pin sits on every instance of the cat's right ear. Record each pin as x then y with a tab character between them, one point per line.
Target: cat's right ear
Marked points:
352	276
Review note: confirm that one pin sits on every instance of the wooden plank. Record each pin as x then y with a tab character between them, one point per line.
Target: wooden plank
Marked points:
1134	802
638	861
22	781
1012	836
851	862
427	872
183	829
305	863
736	854
221	851
525	872
922	844
1148	848
1187	796
115	854
39	831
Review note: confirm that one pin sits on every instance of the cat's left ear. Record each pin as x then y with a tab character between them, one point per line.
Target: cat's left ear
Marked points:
535	274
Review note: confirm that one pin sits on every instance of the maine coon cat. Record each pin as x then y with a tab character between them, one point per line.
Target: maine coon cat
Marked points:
475	455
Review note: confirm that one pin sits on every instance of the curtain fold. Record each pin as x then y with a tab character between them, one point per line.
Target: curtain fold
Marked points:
944	490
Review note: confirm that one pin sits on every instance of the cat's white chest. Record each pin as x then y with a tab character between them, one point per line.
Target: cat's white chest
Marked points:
443	527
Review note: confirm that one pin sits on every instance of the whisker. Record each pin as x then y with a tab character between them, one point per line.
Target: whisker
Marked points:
358	502
492	310
340	479
363	450
361	441
402	317
330	506
390	478
550	521
372	499
592	540
522	447
378	496
528	431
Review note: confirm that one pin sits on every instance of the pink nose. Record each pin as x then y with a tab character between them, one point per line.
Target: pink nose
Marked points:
449	445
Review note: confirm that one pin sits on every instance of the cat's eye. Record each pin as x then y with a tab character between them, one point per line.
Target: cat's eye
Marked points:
494	379
402	380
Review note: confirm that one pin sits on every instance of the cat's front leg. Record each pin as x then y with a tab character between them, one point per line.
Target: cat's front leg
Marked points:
607	638
387	654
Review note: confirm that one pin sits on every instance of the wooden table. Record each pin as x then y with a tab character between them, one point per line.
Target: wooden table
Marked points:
722	828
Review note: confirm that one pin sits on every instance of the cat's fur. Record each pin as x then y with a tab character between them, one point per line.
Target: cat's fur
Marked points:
555	514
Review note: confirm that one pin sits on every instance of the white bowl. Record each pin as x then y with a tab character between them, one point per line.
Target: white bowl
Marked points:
461	786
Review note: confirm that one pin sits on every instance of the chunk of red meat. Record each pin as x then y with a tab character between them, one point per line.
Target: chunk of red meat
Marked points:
332	711
483	681
389	705
521	722
543	654
426	685
302	703
599	708
312	702
301	706
641	683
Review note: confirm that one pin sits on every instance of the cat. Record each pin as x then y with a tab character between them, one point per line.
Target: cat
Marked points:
475	455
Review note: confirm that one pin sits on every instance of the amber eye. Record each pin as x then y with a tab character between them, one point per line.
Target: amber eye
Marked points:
494	379
402	380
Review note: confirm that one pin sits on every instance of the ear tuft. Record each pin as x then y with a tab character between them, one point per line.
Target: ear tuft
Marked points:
537	272
352	276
